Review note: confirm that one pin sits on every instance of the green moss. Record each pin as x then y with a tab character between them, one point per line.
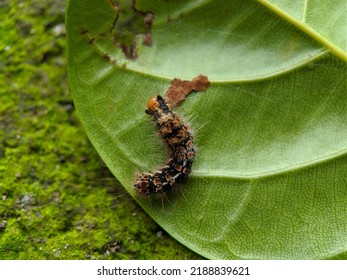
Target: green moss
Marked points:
54	200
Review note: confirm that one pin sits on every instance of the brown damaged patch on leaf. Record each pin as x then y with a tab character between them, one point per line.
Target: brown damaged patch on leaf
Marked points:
130	51
91	41
148	41
148	18
128	25
179	89
120	38
84	31
107	58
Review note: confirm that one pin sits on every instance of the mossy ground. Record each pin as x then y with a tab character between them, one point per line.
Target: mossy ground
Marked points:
55	203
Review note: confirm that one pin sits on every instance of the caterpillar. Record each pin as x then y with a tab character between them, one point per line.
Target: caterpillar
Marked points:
179	139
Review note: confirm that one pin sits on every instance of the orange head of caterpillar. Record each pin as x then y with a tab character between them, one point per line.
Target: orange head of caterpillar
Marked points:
153	105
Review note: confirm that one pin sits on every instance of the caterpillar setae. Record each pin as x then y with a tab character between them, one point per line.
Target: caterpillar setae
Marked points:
178	137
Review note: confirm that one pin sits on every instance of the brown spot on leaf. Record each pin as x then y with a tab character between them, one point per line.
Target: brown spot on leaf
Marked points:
127	26
148	19
84	31
113	4
179	89
106	57
130	51
147	41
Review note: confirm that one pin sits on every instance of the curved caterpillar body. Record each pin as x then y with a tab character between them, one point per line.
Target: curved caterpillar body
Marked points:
178	137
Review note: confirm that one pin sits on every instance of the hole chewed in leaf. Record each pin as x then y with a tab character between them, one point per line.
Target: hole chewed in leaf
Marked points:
126	29
179	89
130	24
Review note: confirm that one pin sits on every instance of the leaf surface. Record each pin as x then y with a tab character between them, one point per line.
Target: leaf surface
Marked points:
269	180
324	21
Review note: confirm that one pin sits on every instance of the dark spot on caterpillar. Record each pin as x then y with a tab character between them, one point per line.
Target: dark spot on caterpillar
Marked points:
178	137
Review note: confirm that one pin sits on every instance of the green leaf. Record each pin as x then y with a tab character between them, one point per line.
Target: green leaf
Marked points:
325	21
269	180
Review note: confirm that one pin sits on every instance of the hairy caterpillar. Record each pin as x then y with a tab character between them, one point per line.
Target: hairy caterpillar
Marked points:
178	137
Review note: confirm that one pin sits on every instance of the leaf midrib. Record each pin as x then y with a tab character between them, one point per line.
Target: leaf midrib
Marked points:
270	75
262	175
334	49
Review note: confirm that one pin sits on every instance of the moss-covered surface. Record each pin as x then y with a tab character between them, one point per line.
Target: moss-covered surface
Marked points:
55	203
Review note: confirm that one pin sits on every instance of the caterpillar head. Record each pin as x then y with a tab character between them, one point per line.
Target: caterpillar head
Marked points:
154	103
